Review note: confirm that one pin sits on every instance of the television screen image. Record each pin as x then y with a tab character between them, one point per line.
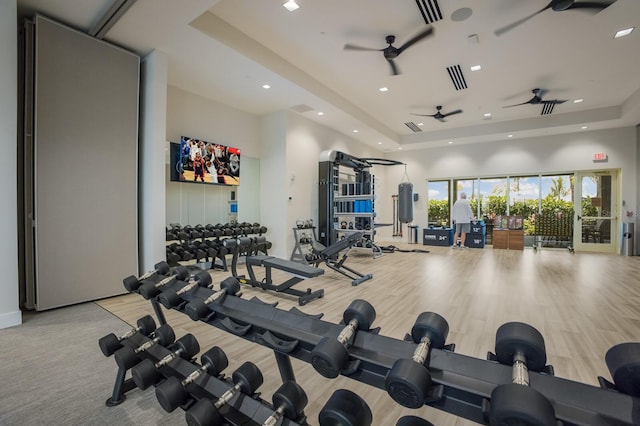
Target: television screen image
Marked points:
205	162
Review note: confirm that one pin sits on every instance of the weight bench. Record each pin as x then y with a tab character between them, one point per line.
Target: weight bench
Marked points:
330	256
298	270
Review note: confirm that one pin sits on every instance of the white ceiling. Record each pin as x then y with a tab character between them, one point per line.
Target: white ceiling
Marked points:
226	50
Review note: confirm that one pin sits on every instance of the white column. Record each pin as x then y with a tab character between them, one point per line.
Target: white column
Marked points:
151	159
10	314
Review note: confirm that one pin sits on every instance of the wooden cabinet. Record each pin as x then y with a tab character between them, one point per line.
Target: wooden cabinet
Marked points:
512	239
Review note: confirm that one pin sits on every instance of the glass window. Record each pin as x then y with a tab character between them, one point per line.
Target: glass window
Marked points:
438	206
524	195
553	224
493	197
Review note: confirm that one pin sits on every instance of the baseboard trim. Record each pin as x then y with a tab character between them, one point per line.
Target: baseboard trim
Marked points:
10	319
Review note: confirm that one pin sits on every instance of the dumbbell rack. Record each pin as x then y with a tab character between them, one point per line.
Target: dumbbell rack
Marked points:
298	253
462	385
203	387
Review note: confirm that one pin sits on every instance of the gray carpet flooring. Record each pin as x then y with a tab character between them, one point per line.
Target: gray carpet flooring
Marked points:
53	372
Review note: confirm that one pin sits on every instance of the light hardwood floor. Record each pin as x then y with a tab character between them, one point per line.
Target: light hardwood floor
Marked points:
582	304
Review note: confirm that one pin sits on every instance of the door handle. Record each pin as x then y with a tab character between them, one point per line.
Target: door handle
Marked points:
579	217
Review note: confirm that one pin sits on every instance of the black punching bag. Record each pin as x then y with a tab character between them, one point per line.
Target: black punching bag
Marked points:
405	202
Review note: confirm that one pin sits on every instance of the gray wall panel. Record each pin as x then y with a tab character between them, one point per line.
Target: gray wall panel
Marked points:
86	114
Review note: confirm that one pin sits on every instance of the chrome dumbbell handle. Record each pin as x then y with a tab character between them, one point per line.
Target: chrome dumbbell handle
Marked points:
520	374
348	331
422	351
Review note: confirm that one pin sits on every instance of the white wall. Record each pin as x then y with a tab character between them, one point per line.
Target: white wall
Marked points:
551	154
191	115
10	314
151	155
305	140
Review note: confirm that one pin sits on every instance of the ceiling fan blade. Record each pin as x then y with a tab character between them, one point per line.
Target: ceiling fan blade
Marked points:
554	101
440	119
354	47
584	5
424	115
458	111
394	69
509	27
523	103
425	33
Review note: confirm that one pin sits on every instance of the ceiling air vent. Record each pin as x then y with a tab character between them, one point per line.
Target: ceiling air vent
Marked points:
430	10
413	126
455	72
302	108
547	108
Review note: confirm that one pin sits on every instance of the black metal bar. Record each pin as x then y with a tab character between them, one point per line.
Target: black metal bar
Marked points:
158	310
285	367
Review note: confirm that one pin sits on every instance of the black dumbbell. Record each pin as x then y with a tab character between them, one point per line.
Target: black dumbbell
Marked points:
132	283
246	379
170	298
146	373
345	408
127	357
623	362
111	343
331	355
413	421
149	289
198	308
522	346
172	393
409	381
289	401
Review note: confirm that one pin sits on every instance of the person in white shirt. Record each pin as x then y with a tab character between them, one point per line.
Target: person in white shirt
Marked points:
461	215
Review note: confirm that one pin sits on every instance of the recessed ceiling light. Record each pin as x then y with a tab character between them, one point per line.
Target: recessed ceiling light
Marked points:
450	142
399	147
379	143
584	127
266	86
476	68
320	113
577	101
623	33
356	131
420	124
509	136
384	89
487	114
291	5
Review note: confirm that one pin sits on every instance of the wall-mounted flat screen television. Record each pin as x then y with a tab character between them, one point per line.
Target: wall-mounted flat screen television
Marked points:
197	161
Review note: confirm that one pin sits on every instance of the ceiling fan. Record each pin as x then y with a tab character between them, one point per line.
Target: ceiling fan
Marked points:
547	106
559	6
391	52
439	115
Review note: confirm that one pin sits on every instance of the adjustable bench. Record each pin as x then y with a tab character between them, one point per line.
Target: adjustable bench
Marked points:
330	256
298	270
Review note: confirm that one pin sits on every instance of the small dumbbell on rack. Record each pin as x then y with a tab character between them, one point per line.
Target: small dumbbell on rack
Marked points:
522	346
111	343
146	373
246	380
289	401
170	298
127	357
150	289
132	283
172	393
330	356
345	408
409	381
198	308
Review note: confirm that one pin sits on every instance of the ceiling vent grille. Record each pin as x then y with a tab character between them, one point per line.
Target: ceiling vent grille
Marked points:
413	126
430	10
301	108
455	72
547	109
